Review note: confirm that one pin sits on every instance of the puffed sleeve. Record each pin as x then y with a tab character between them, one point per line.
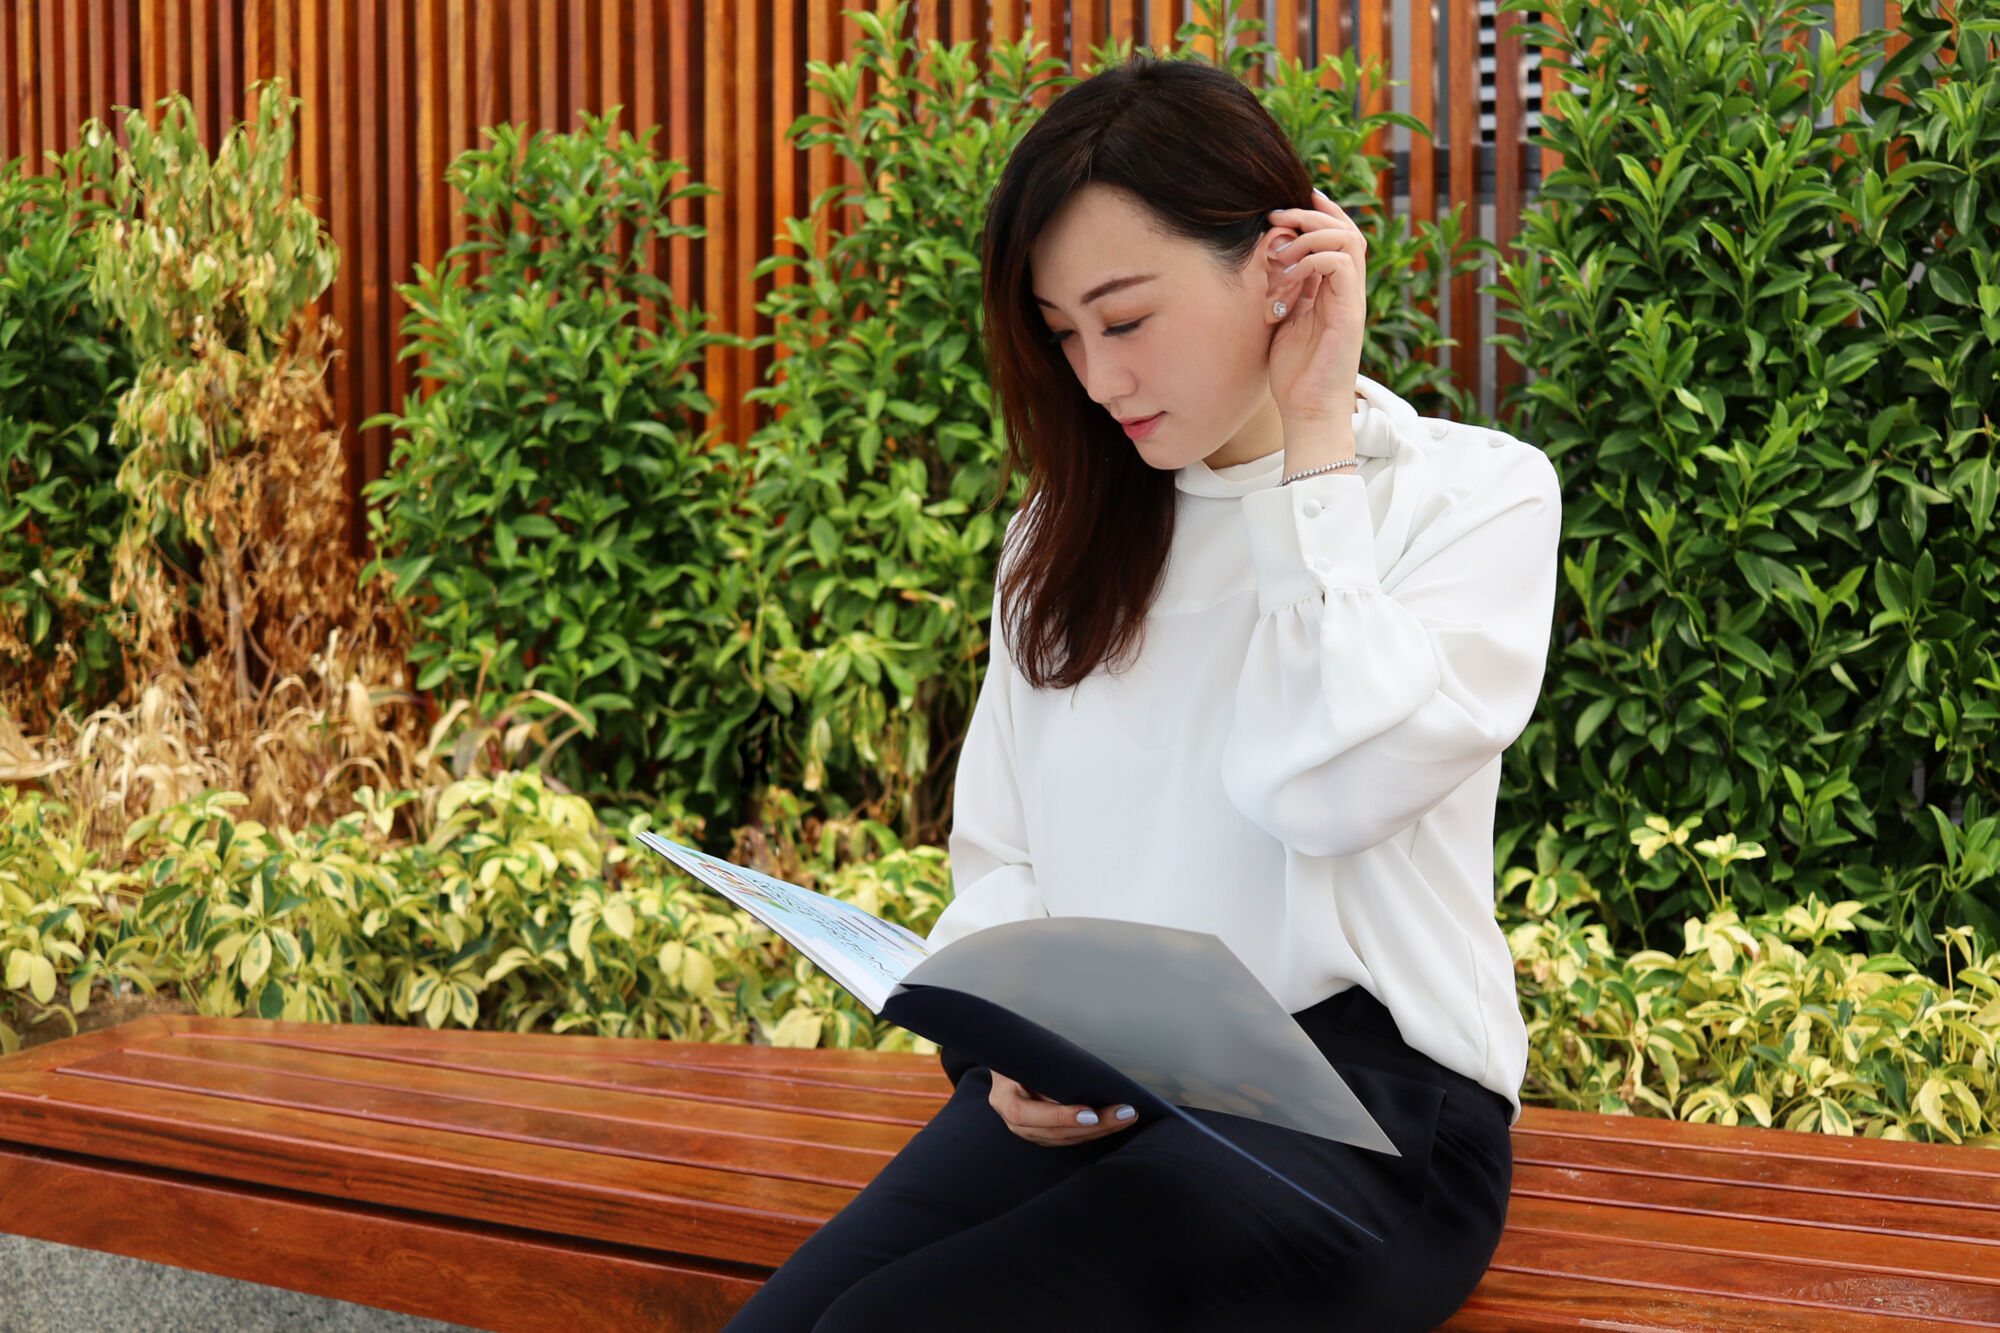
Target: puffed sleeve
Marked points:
992	873
1359	709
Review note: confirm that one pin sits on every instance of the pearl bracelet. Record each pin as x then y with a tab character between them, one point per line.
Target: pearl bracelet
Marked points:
1345	462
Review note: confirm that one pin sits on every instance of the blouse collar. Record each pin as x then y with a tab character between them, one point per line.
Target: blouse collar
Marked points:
1376	421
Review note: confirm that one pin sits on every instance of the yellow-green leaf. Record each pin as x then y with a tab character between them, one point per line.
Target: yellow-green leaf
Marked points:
798	1029
41	979
256	958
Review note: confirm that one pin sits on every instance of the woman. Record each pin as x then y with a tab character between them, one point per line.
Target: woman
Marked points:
1253	664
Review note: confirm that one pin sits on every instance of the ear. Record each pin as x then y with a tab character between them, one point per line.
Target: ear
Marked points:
1278	284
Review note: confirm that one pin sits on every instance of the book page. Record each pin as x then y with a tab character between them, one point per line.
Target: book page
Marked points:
861	951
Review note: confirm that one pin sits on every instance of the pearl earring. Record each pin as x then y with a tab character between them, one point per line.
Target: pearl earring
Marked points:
1278	309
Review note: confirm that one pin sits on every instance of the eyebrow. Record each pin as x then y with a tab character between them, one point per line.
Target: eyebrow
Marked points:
1105	288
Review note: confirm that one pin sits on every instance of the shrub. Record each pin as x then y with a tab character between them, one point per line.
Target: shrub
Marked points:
551	514
63	364
1764	363
1764	1017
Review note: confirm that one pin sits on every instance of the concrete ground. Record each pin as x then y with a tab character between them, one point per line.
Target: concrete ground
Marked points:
50	1288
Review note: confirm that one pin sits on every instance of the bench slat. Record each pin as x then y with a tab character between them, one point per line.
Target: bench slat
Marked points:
1517	1300
1779	1260
878	1122
829	1092
1858	1180
684	1210
490	1277
1700	1200
1550	1129
613	1129
454	1042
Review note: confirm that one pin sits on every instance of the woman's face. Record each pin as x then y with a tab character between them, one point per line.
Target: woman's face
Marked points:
1183	341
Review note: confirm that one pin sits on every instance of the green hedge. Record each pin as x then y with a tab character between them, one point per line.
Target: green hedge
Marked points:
1765	366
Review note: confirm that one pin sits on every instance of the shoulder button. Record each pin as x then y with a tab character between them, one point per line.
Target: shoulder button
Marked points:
1439	430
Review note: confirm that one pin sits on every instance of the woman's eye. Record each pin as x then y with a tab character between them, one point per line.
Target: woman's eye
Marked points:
1116	330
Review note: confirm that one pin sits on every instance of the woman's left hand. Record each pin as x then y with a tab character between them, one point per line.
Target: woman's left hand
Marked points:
1315	353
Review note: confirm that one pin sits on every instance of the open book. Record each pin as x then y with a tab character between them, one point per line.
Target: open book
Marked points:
1087	1010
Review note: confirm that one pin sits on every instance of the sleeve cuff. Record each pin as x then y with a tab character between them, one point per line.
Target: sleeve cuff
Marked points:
1311	536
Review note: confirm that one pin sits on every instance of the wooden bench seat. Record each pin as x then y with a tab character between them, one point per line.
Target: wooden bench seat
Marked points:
521	1183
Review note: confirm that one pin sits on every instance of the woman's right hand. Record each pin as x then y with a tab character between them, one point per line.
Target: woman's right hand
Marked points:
1051	1124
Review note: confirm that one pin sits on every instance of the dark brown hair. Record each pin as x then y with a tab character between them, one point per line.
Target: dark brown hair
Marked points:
1197	150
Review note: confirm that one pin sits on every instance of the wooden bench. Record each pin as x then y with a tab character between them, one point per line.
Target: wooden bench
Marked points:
520	1183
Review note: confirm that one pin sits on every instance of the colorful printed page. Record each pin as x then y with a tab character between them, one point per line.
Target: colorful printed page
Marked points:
861	951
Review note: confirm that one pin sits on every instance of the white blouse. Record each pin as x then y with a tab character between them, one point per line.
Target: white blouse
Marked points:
1304	758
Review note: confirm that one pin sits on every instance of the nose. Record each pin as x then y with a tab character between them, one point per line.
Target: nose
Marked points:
1105	379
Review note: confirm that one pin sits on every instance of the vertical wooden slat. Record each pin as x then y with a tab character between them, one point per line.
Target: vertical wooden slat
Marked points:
721	208
751	132
399	51
201	75
614	60
256	41
1334	39
1846	98
48	33
520	69
1284	33
341	209
456	132
173	49
687	90
1463	99
1553	63
645	115
228	66
101	58
1423	148
820	39
580	88
74	83
286	26
431	158
8	93
152	57
368	343
1377	44
1085	31
487	87
1510	104
125	77
548	81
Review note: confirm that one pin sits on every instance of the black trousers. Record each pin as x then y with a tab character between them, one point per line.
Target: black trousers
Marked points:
1156	1229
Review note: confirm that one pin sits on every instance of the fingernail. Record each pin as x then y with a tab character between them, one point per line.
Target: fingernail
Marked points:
1126	1113
1290	267
1281	249
1086	1117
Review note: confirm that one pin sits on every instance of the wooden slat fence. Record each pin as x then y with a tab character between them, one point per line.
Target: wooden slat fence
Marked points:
393	90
